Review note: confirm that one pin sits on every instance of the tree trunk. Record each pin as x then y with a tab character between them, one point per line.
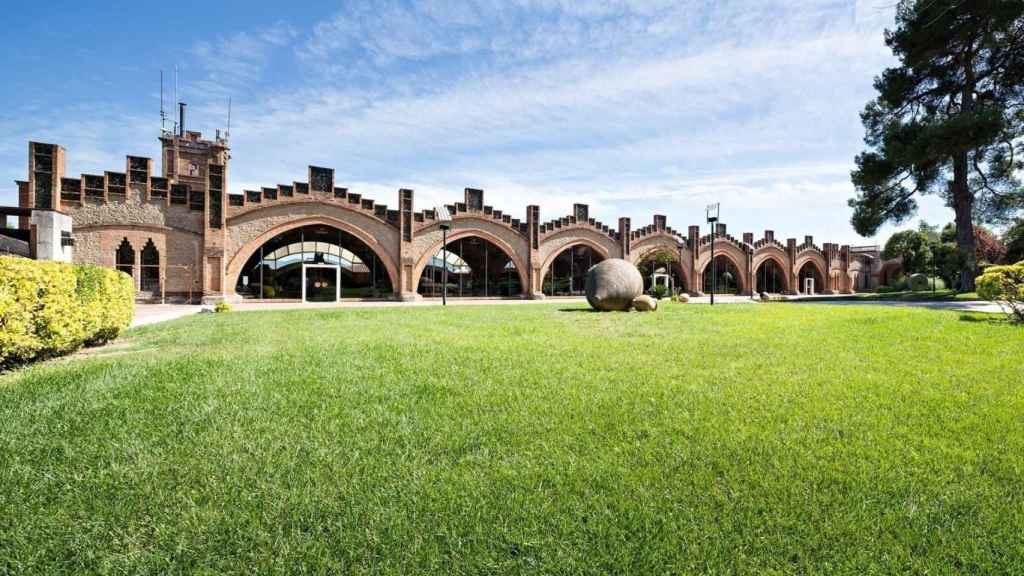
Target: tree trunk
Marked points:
963	207
963	198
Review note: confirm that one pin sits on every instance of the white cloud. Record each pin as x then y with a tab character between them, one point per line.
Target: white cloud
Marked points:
634	107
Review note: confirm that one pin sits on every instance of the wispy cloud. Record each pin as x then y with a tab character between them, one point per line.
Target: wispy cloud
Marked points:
237	61
634	106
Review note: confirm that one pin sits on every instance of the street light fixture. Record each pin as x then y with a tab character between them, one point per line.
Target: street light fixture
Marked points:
444	219
712	213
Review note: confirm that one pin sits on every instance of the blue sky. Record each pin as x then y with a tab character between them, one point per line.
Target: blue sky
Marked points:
631	106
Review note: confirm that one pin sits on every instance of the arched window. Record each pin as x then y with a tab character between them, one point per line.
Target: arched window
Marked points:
811	281
567	274
319	261
726	277
149	273
475	267
770	277
125	258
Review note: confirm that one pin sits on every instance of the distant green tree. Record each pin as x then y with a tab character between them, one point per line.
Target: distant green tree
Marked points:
947	119
1014	240
912	247
947	263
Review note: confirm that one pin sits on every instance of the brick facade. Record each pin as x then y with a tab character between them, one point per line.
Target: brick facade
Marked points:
204	235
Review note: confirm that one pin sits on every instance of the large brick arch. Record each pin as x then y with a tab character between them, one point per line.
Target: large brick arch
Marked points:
553	244
429	239
564	244
270	228
667	244
652	243
777	255
817	260
730	251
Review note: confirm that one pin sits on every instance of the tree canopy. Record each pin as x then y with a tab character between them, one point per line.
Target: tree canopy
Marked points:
948	120
1014	240
909	245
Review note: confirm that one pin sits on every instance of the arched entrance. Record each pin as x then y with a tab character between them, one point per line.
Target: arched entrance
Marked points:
317	263
476	268
727	279
662	267
810	279
566	276
770	277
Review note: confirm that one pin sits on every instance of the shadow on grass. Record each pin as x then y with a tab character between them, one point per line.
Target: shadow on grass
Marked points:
990	318
588	309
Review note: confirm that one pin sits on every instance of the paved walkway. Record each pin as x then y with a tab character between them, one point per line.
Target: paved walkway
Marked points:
843	300
153	313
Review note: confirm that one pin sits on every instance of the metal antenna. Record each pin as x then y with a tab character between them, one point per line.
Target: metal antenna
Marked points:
175	94
163	120
227	133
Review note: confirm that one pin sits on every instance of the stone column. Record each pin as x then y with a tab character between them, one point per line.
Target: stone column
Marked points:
828	249
214	191
405	291
792	272
696	279
536	291
624	237
844	258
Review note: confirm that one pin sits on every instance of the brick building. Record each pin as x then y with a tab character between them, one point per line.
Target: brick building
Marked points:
182	233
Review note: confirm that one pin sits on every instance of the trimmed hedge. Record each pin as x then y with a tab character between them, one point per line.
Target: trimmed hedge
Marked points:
1004	285
52	308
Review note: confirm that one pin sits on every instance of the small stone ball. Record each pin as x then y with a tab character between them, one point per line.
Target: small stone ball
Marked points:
645	303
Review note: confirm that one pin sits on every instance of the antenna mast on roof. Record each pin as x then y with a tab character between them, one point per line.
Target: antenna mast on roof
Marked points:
175	94
163	116
227	133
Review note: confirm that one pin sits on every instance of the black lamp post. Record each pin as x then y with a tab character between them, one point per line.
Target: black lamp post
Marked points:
712	212
444	219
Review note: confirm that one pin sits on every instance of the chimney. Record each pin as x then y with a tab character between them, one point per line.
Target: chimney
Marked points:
181	118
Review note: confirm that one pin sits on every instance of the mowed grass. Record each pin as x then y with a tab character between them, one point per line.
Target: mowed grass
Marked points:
524	439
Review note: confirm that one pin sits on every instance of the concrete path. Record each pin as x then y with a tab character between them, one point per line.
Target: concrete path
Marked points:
153	313
958	305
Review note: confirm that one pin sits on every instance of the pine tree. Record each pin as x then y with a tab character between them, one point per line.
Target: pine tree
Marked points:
948	120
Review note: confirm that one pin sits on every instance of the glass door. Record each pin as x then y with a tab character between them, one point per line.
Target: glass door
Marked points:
320	283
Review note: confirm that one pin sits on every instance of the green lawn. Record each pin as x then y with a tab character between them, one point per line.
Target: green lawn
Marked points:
524	439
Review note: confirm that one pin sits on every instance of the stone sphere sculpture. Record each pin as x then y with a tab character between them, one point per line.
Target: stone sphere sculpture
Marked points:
612	284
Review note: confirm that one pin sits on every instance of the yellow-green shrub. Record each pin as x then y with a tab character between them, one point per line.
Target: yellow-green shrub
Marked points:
108	302
50	308
1005	286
